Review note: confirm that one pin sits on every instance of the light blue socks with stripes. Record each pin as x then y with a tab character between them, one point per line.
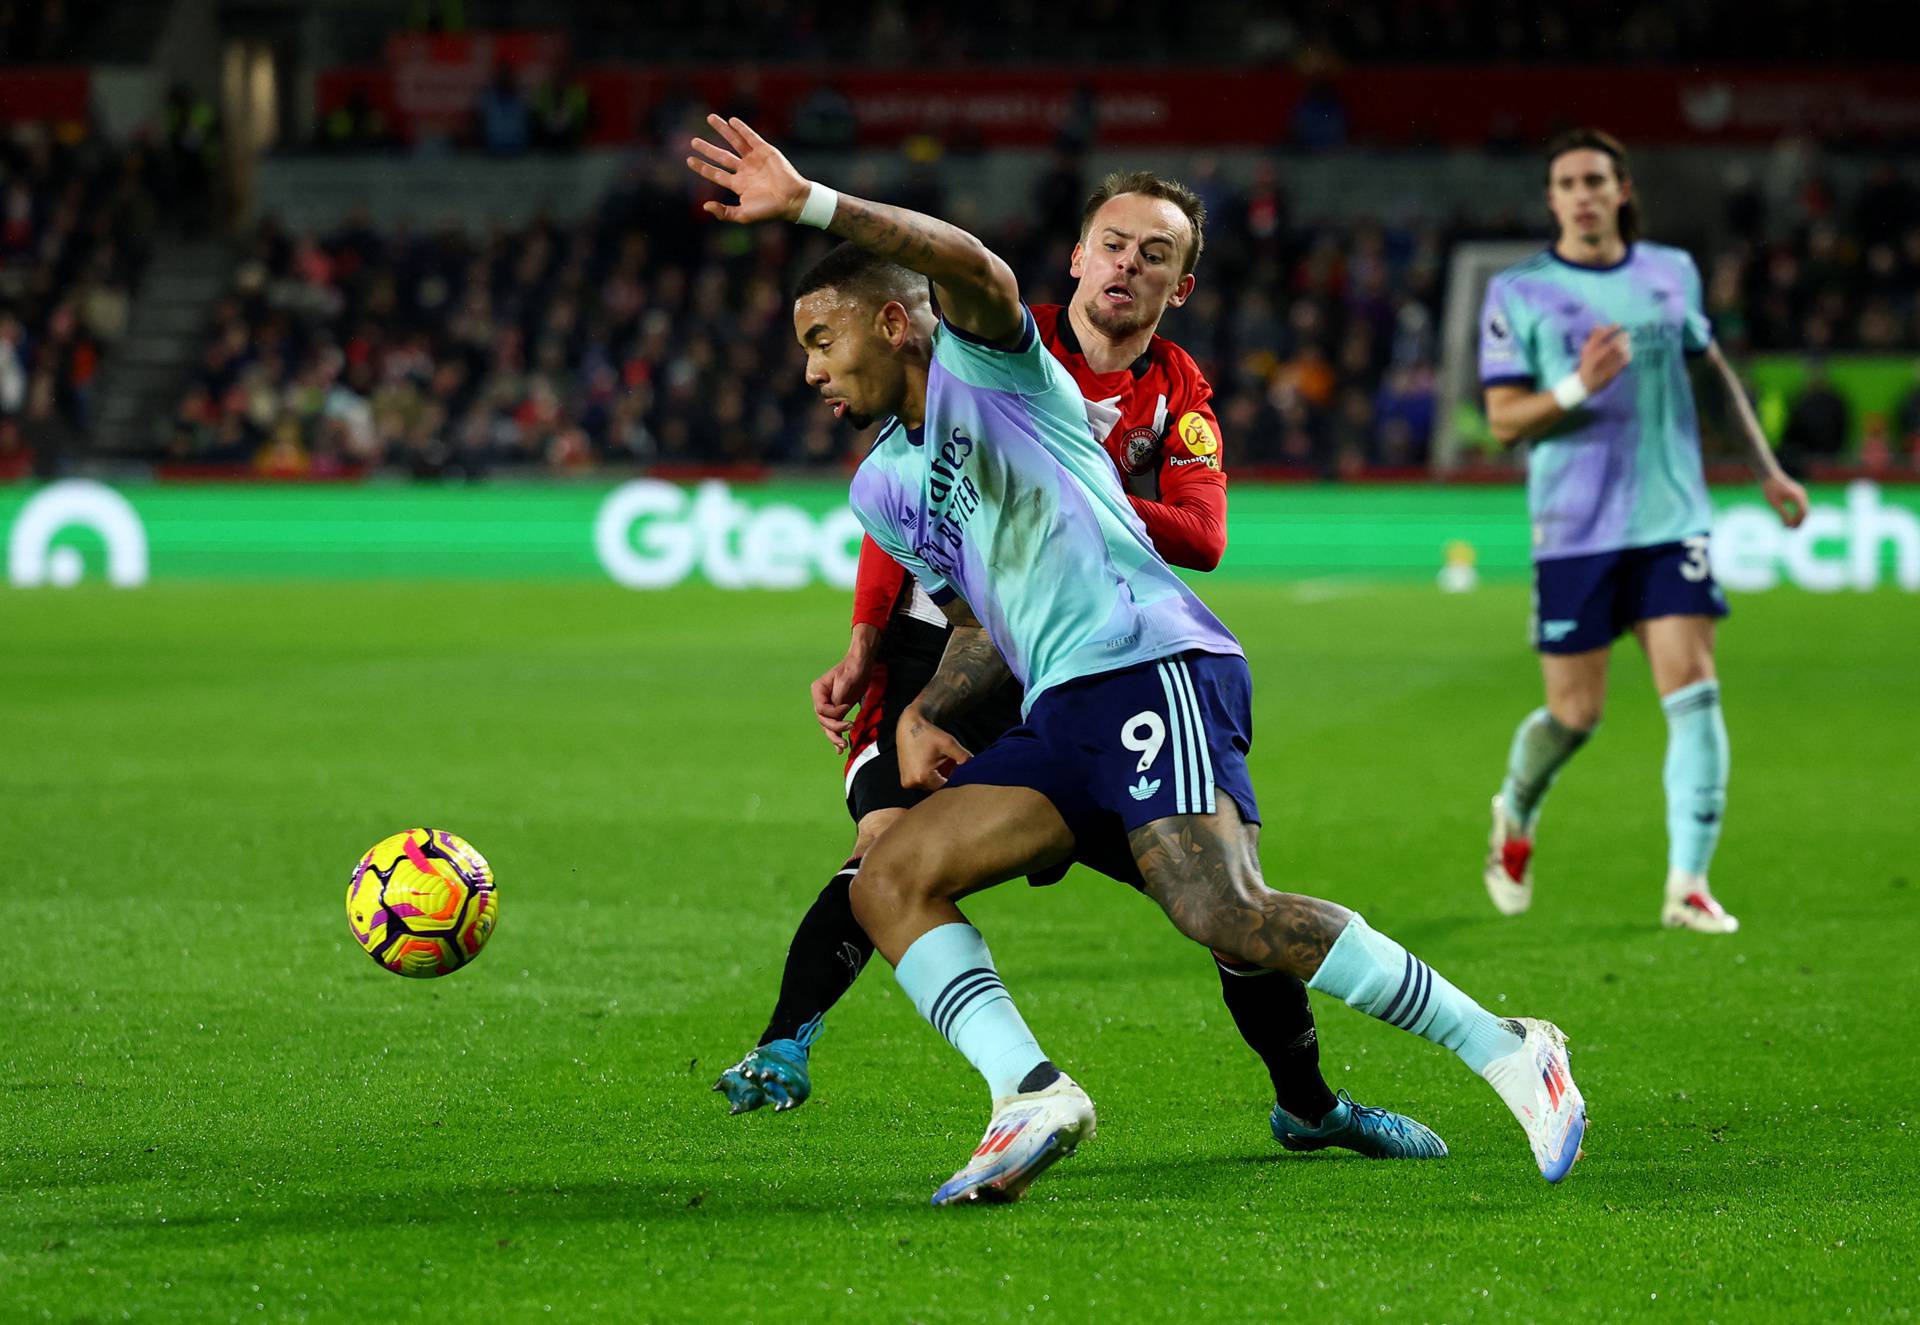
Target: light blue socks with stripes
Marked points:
1541	744
949	975
1377	976
1696	775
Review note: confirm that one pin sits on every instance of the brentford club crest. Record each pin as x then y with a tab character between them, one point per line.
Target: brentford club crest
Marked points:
1140	450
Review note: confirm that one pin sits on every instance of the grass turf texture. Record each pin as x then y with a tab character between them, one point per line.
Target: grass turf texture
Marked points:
217	1108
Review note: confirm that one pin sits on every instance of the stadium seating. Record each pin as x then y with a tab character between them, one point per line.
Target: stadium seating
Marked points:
77	221
636	335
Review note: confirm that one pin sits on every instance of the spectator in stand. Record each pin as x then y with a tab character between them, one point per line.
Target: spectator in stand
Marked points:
562	112
503	122
1907	420
357	125
1817	423
13	367
191	130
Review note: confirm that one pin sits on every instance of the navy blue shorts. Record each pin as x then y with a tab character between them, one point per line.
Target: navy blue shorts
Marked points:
1122	749
1582	603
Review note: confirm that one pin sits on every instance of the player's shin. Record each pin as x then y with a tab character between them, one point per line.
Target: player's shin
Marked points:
1696	775
1375	975
828	951
950	976
1541	745
1271	1010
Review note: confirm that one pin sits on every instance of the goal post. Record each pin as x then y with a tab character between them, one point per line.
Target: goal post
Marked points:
1458	418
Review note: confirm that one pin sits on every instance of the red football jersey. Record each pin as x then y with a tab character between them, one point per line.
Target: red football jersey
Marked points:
1155	418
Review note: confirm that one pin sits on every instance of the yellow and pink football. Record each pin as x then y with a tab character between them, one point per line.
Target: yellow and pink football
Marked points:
422	903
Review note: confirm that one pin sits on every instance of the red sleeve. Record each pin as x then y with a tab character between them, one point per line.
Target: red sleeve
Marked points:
876	586
1188	524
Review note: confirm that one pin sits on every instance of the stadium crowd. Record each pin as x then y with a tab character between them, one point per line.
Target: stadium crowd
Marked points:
35	31
645	335
891	32
77	219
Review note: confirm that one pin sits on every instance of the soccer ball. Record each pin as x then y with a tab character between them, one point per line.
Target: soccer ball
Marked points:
422	902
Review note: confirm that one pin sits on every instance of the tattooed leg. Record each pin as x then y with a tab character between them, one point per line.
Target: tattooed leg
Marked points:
1204	870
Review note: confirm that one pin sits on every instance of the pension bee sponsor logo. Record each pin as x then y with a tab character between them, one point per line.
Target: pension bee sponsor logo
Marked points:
1198	438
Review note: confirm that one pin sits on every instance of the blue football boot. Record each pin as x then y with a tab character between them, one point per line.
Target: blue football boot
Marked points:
1375	1133
774	1073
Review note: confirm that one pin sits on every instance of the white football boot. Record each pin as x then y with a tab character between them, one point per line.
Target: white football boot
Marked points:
1690	905
1509	873
1536	1082
1028	1135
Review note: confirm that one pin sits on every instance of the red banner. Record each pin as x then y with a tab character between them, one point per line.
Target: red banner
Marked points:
43	94
1416	106
436	79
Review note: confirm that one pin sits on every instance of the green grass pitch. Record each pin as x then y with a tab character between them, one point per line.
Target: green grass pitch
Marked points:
214	1107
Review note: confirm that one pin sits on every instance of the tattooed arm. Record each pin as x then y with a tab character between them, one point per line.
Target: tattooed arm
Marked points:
970	669
976	289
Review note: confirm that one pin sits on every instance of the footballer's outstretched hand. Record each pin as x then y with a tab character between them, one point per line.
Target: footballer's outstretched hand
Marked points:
770	189
927	753
1788	499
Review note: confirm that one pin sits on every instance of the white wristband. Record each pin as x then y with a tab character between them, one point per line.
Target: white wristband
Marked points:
818	209
1570	392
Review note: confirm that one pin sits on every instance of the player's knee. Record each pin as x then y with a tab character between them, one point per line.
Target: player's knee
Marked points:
895	875
1228	925
867	832
1688	672
1578	712
882	888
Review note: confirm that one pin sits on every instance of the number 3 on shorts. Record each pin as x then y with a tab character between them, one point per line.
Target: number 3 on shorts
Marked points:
1144	733
1695	568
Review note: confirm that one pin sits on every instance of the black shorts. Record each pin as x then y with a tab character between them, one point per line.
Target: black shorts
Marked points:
908	657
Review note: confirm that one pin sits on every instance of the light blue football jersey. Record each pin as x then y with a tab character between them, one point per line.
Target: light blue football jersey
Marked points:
1004	497
1624	469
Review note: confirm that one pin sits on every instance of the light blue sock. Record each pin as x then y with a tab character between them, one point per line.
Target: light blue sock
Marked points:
1541	744
1377	976
949	975
1696	775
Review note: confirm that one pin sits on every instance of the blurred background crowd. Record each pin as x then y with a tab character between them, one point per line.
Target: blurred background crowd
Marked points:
627	331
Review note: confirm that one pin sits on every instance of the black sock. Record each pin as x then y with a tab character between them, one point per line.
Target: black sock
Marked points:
828	951
1276	1021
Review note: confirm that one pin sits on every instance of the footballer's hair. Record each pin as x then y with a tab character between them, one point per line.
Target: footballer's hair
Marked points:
865	275
1153	186
1597	140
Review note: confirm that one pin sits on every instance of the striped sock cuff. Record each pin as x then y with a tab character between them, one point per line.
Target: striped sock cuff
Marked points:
1409	1002
964	991
1696	698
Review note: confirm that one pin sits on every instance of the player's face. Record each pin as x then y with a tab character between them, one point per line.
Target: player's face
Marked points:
1129	263
852	360
1585	193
